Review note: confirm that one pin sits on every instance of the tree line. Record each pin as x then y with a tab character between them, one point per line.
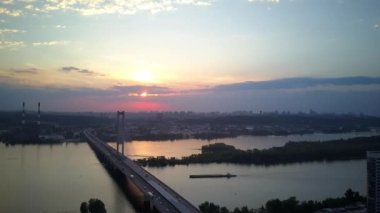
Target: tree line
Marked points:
291	205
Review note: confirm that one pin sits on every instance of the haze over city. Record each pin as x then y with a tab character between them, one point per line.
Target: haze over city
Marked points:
196	55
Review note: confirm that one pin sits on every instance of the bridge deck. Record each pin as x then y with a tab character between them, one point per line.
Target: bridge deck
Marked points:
162	196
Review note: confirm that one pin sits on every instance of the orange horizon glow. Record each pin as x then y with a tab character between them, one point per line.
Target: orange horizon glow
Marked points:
145	106
143	94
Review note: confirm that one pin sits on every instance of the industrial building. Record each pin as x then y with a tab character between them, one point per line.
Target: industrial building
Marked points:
373	181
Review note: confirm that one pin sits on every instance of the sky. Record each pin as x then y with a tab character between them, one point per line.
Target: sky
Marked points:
199	55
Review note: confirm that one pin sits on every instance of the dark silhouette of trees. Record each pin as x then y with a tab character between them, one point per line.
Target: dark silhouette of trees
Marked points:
93	206
291	205
83	207
209	207
224	210
217	147
273	205
351	196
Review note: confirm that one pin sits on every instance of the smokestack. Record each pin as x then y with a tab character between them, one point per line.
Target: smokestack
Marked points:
39	114
117	121
23	113
122	122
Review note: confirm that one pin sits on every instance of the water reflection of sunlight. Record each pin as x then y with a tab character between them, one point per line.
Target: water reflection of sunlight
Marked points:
186	147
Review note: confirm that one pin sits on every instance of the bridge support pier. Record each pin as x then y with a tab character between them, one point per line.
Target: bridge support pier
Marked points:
121	149
120	126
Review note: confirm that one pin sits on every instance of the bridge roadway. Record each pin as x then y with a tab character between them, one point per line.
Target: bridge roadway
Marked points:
161	196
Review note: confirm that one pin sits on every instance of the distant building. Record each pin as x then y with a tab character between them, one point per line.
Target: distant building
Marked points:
373	181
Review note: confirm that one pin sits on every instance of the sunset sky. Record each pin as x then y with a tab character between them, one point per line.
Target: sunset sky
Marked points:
143	55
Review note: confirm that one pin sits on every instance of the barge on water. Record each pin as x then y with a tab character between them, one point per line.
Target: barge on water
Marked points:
228	175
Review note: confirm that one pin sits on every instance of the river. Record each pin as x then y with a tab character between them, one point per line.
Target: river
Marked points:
55	178
254	185
186	147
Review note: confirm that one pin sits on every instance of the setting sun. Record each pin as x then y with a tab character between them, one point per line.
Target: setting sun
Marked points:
144	94
143	76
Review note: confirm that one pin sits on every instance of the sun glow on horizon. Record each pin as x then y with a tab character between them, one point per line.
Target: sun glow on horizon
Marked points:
144	94
143	76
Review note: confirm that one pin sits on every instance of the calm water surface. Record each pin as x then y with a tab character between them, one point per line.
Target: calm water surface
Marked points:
180	148
57	178
255	185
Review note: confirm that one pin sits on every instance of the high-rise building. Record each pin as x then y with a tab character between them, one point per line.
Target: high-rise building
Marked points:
373	181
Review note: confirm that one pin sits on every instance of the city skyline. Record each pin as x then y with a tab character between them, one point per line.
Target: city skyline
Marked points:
135	55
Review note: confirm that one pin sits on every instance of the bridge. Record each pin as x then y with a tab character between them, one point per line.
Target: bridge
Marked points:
157	195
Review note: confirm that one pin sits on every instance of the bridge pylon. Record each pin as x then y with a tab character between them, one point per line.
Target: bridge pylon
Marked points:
120	128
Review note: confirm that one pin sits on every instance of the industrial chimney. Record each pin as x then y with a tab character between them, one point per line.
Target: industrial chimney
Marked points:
39	114
23	113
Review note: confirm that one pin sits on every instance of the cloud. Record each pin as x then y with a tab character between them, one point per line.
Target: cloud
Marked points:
203	3
4	79
135	88
98	7
139	90
298	83
7	1
87	72
4	31
116	98
69	69
268	1
60	26
49	43
32	71
11	44
101	7
9	12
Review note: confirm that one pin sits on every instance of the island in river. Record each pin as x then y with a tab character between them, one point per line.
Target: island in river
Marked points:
291	152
